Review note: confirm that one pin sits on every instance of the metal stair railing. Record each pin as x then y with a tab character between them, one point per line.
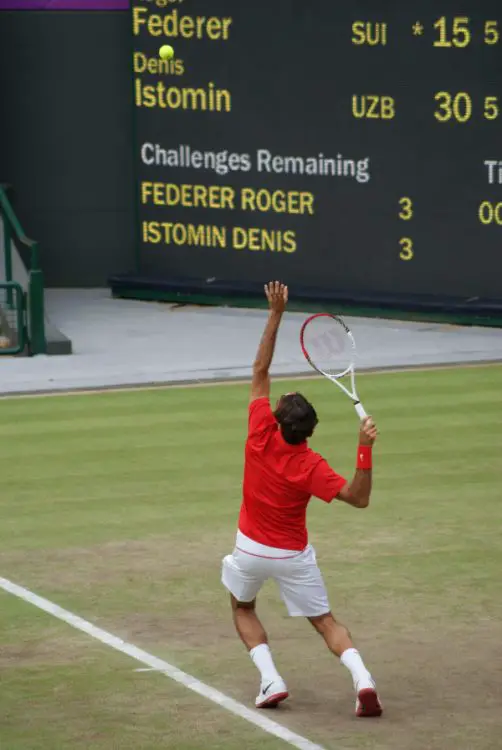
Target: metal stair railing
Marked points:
35	282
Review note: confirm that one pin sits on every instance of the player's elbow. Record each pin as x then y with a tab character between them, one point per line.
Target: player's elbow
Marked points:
357	499
363	501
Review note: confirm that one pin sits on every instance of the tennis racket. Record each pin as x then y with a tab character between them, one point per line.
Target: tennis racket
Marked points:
329	347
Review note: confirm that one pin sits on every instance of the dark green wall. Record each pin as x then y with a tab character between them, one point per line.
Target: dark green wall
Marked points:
66	139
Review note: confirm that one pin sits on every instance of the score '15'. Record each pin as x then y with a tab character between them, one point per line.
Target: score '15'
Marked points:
458	34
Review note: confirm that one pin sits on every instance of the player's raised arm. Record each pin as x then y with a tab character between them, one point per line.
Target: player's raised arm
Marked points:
357	492
277	296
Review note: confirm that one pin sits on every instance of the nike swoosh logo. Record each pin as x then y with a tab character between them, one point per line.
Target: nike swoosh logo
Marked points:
264	691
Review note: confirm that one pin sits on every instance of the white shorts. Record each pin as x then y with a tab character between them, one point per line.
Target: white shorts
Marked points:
299	579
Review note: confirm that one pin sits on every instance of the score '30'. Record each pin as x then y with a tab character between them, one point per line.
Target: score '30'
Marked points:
458	107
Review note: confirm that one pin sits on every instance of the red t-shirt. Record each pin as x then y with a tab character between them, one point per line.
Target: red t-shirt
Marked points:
279	480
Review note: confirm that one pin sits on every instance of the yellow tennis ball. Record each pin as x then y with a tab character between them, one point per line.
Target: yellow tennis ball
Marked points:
166	52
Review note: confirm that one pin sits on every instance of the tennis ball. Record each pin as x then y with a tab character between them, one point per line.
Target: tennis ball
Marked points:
166	52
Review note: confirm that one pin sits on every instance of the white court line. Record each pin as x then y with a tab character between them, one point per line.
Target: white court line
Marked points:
159	665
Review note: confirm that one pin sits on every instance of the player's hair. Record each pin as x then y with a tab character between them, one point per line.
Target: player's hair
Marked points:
297	418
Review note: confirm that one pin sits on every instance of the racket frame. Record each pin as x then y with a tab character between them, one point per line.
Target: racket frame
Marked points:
361	412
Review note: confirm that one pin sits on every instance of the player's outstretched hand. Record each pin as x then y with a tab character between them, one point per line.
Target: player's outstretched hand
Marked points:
367	432
277	296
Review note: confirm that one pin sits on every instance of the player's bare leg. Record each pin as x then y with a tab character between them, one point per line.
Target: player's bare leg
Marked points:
336	635
250	630
252	633
339	642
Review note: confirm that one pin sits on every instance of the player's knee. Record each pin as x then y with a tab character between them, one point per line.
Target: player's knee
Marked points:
236	605
322	622
326	622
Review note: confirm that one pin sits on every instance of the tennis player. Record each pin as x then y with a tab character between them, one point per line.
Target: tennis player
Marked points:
281	474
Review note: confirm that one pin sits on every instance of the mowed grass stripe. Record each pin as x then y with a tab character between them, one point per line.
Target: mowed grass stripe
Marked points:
149	445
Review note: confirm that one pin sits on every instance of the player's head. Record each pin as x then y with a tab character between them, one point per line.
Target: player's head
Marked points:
297	418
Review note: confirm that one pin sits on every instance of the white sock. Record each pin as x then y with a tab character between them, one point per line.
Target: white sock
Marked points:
351	658
263	661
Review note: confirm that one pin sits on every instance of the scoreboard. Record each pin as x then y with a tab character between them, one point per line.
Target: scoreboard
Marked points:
342	147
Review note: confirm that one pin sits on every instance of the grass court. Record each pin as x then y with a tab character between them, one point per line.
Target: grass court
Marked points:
119	507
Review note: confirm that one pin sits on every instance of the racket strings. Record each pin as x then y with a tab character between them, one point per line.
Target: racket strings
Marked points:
329	345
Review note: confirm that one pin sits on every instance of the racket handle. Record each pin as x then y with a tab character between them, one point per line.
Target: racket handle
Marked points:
361	413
